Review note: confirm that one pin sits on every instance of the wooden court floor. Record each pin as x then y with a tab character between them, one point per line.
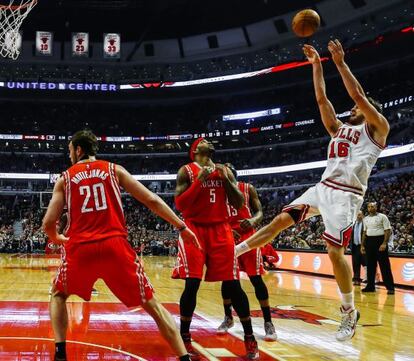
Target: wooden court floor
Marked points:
304	309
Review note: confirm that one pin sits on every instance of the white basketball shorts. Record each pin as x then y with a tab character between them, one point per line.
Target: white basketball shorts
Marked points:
338	205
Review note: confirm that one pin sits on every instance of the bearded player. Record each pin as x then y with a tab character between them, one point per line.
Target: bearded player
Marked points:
203	193
95	240
243	223
352	153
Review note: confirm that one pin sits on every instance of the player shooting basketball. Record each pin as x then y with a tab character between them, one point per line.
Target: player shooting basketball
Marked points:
352	153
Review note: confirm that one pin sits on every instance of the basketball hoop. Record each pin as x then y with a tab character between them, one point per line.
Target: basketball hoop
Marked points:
11	19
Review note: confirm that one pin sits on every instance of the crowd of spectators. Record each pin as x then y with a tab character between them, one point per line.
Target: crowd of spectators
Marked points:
149	235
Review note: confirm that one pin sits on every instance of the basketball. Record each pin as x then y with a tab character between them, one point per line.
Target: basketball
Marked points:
305	23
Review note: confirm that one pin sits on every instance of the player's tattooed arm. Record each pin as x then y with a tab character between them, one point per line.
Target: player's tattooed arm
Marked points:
235	197
185	191
182	182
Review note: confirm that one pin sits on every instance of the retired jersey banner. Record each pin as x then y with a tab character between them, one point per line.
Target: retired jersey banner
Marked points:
112	45
44	41
80	44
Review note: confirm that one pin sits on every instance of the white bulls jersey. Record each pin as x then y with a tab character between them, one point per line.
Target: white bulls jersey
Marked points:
352	153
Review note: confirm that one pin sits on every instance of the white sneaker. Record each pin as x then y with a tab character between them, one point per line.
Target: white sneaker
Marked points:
270	331
348	324
225	325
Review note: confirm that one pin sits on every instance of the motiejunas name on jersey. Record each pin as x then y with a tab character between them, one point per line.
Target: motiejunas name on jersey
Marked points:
94	173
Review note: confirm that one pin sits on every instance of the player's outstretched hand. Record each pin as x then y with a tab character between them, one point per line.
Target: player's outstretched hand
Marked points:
188	236
311	54
60	239
236	235
222	170
337	52
246	223
204	173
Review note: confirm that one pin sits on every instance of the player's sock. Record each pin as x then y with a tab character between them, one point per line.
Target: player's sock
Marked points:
185	327
226	295
241	248
262	295
247	327
188	303
266	313
185	358
60	349
228	311
348	300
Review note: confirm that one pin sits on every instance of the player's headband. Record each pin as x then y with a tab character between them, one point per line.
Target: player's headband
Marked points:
193	148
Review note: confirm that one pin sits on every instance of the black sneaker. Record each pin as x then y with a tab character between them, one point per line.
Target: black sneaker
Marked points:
368	289
59	358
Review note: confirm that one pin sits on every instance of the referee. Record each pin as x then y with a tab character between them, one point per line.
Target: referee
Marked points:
377	231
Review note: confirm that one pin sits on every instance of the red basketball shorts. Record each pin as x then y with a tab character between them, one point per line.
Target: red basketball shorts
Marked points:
112	260
217	254
251	262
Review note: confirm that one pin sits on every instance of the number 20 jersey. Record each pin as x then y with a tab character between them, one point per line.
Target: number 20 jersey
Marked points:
93	198
352	153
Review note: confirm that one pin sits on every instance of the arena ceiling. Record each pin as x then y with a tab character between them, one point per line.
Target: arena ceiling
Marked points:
153	19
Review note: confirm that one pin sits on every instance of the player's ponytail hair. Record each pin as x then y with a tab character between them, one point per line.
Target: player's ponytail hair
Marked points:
86	140
376	104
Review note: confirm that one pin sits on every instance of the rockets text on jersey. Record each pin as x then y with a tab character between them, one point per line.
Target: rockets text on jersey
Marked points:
211	205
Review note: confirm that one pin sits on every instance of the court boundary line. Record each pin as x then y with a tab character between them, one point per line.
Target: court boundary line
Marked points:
136	357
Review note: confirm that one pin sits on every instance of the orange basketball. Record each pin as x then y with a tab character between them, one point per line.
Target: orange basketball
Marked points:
305	23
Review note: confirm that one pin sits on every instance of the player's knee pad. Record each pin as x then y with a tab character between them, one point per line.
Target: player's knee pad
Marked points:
295	214
225	291
238	298
188	299
260	288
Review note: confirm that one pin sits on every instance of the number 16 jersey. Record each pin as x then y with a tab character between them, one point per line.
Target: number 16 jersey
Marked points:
352	154
93	198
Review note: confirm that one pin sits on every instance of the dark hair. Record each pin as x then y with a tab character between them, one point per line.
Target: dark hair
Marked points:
86	140
376	104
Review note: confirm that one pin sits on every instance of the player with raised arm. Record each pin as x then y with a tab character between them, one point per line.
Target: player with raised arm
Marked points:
352	153
95	240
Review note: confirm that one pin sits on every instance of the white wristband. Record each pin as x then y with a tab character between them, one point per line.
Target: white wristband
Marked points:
242	248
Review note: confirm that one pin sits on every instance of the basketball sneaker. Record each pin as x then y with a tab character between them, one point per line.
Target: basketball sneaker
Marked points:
270	332
194	354
252	350
59	358
348	324
225	325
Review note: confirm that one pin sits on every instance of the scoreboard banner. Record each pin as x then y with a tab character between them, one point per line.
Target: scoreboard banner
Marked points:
112	45
80	44
44	41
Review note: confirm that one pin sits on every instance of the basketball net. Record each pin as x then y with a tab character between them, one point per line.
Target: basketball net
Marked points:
11	19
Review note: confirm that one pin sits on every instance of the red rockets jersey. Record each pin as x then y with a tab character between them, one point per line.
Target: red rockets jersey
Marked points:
242	213
93	198
211	205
